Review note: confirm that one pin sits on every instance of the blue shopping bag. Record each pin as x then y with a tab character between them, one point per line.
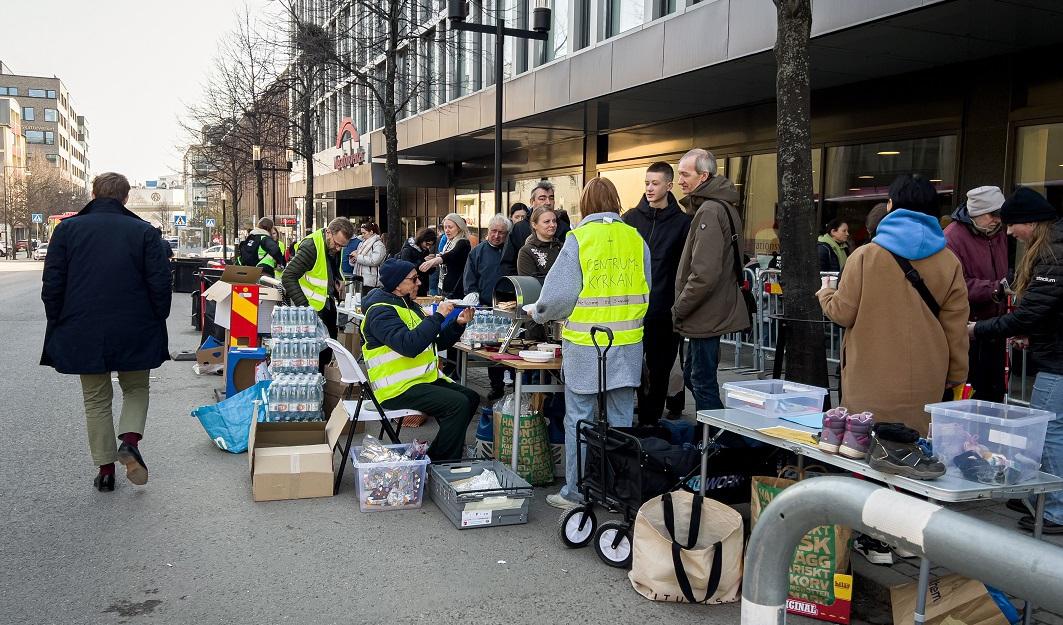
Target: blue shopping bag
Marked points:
228	422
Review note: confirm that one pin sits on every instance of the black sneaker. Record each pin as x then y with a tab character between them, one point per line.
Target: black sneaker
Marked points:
876	551
904	459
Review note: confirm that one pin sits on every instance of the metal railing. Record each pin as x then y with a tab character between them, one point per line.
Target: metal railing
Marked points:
1018	564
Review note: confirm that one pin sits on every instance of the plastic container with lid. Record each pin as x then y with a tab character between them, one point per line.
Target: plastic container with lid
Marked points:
395	485
774	398
1008	438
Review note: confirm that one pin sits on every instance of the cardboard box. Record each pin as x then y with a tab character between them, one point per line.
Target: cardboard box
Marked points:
334	388
221	294
211	357
352	341
293	460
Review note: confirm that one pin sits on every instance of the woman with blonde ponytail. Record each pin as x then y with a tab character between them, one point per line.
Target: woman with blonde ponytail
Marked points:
1039	316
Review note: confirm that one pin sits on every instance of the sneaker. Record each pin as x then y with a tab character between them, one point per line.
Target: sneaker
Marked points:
857	437
904	459
563	503
876	551
830	438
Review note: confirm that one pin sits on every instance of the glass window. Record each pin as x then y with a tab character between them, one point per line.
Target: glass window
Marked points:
622	15
49	137
557	44
3	90
467	204
858	176
631	184
28	114
36	93
663	7
51	94
53	159
12	91
51	115
567	190
34	136
1039	160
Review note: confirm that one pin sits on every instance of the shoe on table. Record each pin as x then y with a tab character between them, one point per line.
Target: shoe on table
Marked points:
904	459
558	501
1027	523
876	551
830	438
857	438
135	469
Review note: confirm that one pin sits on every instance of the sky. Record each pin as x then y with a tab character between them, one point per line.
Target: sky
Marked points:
131	67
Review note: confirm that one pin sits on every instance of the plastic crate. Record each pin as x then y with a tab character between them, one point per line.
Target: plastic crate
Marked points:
471	509
377	481
774	398
1014	435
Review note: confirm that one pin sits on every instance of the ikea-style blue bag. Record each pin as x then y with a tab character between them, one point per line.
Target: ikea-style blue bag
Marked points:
228	423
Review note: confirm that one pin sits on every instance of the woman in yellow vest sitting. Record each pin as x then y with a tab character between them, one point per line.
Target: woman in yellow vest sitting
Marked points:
401	352
601	278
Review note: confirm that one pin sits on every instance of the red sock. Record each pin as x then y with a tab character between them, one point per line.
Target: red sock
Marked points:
131	438
107	469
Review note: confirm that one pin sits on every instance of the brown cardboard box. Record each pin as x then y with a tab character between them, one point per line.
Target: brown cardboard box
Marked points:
211	357
352	341
293	460
334	388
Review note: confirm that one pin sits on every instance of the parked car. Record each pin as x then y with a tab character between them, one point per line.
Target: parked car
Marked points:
41	252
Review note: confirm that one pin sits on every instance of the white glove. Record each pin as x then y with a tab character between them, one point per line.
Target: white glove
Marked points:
528	308
472	299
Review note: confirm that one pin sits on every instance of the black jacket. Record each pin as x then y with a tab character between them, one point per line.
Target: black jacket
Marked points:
384	327
106	292
1039	315
411	253
665	233
453	269
828	260
483	271
518	236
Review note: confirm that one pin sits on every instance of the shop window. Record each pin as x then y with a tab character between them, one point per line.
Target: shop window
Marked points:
858	177
466	204
1039	161
567	189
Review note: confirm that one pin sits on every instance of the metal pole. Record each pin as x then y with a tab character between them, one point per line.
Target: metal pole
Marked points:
1011	561
224	234
273	193
261	195
500	37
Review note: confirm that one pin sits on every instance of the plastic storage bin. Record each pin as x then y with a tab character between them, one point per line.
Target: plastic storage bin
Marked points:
485	508
395	485
1008	438
774	398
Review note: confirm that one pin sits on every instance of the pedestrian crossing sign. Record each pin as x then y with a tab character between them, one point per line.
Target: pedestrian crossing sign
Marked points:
37	218
180	220
210	223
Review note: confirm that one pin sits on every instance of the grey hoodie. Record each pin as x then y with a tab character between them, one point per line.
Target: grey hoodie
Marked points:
557	300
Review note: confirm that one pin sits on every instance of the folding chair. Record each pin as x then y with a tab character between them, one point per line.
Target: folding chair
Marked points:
359	410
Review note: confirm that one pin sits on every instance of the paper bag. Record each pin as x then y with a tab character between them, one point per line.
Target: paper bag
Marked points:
950	600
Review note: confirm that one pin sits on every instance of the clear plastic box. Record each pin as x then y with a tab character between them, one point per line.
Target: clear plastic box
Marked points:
774	398
385	486
1009	438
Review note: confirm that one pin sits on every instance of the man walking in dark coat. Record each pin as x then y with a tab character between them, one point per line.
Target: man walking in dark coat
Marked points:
106	307
664	226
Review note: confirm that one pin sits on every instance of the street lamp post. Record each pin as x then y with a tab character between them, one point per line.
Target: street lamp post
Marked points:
289	156
456	13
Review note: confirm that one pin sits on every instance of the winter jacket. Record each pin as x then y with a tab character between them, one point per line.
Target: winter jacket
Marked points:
345	258
832	255
896	356
665	232
302	262
383	326
411	253
368	258
537	257
984	260
260	238
483	270
557	300
708	300
106	292
518	236
1039	314
453	269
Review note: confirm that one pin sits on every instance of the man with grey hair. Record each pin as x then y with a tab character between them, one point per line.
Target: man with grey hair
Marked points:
541	195
708	298
482	271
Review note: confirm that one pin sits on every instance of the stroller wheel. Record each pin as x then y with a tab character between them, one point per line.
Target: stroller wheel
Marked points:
576	527
612	543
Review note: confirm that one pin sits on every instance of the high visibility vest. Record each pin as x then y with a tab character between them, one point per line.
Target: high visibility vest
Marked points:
615	293
315	282
391	373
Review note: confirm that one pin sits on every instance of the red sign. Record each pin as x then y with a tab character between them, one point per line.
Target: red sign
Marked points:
348	135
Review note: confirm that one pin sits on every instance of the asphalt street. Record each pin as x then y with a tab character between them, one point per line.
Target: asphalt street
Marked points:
192	547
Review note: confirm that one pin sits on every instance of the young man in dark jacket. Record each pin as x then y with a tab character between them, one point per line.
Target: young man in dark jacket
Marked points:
977	238
664	227
106	307
399	350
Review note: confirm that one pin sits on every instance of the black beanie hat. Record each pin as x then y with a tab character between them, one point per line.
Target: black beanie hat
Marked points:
1027	206
393	272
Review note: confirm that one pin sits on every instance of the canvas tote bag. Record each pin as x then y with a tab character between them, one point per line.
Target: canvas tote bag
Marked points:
687	549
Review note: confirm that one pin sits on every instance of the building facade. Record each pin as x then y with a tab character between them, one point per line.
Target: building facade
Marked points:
55	134
965	92
12	165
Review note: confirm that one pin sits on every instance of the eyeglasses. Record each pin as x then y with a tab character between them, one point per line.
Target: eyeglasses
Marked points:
414	278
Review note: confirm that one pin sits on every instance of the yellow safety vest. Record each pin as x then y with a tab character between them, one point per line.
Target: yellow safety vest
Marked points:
615	293
315	282
391	373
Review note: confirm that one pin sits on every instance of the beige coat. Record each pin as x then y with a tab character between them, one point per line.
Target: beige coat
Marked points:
896	357
708	301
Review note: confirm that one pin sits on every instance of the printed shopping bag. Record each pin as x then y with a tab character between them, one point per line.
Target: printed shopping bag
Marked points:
535	462
951	600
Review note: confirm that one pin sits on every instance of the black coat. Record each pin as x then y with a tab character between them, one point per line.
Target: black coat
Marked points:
106	292
665	233
1039	314
828	260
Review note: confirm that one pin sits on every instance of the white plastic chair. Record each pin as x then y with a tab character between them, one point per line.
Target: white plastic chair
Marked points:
359	409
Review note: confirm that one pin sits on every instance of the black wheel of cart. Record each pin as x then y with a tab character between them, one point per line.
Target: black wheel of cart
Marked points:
612	543
576	527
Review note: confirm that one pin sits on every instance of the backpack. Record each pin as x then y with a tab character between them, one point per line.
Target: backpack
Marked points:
249	250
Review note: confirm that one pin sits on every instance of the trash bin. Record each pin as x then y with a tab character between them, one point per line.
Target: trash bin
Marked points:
184	274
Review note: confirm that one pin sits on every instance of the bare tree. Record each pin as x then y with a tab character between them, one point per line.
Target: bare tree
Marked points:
797	224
